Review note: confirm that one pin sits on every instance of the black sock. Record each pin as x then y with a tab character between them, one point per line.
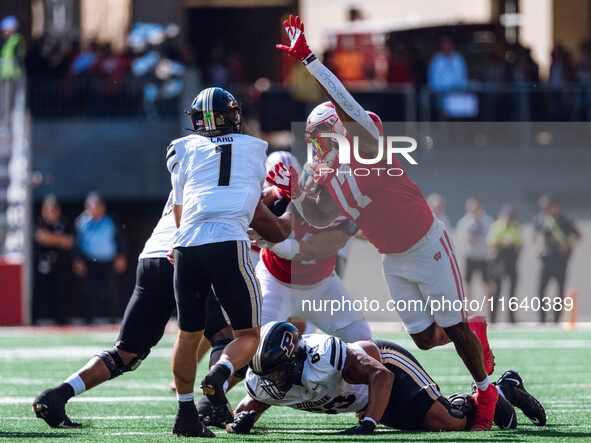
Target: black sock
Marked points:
187	407
220	371
65	390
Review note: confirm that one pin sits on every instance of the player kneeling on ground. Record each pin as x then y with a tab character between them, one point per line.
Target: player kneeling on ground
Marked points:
378	380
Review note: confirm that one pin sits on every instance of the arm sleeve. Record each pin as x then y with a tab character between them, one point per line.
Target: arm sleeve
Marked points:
342	97
177	186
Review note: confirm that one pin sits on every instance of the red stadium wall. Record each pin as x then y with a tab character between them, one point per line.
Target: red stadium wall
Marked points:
11	288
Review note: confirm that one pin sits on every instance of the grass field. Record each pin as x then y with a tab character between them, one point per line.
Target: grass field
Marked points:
140	407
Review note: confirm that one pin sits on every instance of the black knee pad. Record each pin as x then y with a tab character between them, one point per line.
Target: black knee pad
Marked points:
460	406
221	344
119	368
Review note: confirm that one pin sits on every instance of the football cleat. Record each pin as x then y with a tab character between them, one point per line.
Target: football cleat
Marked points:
478	326
485	408
505	415
207	414
511	384
213	387
189	425
51	407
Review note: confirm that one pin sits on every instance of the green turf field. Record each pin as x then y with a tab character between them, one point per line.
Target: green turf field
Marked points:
139	406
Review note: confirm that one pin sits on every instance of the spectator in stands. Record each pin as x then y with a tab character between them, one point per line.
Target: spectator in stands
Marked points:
447	70
12	55
218	70
583	77
524	69
447	76
505	239
495	105
437	204
472	229
561	73
349	62
556	236
99	257
53	241
400	71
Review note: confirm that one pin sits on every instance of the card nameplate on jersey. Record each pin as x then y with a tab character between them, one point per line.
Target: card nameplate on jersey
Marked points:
223	140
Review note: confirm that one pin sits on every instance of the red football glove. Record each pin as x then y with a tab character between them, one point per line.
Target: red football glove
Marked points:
286	180
299	47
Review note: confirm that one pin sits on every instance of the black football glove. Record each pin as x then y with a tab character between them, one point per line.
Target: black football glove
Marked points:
243	423
365	427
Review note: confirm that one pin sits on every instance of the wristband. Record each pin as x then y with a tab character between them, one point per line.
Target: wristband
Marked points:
309	59
287	249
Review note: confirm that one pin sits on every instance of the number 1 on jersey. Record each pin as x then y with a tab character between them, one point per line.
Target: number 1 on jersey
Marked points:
225	164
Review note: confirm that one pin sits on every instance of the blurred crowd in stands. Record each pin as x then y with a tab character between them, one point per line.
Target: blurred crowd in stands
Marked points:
66	77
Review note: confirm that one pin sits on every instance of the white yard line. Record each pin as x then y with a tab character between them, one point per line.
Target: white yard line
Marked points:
79	352
29	400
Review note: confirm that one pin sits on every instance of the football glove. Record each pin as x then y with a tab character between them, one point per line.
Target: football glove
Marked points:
365	427
298	46
286	180
243	423
257	240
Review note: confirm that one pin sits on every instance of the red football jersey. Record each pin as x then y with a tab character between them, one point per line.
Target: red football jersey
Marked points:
308	272
390	210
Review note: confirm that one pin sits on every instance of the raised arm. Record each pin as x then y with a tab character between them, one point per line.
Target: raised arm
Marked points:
356	120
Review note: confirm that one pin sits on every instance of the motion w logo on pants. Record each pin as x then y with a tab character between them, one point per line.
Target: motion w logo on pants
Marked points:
437	256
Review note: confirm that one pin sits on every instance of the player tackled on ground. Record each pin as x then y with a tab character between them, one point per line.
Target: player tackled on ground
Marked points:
378	380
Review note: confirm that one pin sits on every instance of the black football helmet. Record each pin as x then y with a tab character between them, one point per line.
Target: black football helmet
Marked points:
215	112
279	358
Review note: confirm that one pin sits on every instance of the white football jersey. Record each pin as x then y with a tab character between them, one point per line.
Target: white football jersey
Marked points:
323	389
218	181
160	241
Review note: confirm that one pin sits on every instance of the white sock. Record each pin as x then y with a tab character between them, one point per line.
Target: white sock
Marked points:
228	364
482	385
185	397
77	384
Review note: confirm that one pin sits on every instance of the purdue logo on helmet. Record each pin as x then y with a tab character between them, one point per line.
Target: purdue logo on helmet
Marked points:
279	358
215	112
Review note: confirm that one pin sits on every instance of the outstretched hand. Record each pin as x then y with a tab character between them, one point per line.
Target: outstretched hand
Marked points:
287	180
298	46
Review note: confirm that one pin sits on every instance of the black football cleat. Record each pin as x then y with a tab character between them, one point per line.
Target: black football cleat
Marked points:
207	414
505	415
51	407
189	425
512	386
213	387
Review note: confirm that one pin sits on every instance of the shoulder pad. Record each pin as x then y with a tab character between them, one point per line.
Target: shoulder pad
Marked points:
174	154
